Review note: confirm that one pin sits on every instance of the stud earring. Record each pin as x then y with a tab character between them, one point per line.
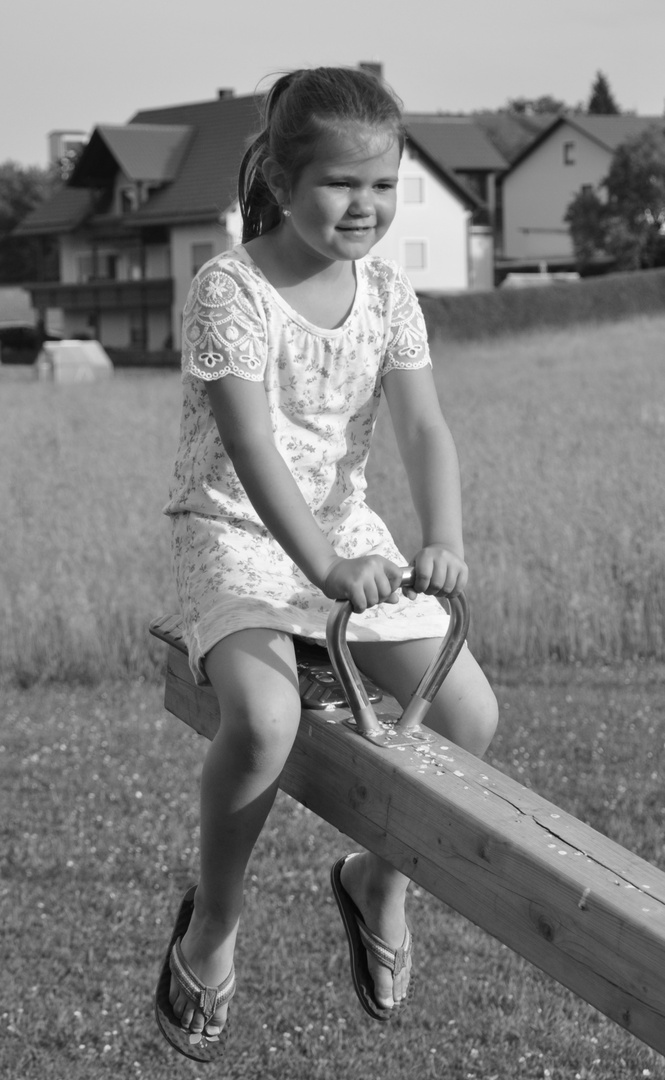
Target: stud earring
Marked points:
287	213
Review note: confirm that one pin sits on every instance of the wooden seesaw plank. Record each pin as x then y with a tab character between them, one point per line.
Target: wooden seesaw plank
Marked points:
568	899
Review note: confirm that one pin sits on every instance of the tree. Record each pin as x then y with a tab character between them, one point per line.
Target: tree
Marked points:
601	100
537	106
624	219
21	190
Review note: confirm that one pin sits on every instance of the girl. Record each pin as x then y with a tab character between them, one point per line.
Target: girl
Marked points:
288	342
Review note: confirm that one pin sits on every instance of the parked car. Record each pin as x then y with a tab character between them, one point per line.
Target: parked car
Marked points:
21	344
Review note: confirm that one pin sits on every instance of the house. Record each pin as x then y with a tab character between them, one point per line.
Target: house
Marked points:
149	202
571	152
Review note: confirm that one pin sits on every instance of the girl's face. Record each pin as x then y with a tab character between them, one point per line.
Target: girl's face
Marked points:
345	198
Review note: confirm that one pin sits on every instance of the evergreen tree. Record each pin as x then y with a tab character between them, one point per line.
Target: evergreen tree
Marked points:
602	101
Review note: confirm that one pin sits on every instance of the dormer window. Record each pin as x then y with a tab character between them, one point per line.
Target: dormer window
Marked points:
129	200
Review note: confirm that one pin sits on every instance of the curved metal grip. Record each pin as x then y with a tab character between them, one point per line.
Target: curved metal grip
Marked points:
429	685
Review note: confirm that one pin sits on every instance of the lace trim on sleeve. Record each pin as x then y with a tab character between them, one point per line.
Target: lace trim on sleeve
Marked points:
222	331
407	345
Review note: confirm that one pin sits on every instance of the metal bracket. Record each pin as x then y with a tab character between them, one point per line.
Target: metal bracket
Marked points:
408	729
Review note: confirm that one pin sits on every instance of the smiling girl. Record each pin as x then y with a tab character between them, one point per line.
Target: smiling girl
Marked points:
289	341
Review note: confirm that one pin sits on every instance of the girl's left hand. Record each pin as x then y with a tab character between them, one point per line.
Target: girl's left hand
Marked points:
438	570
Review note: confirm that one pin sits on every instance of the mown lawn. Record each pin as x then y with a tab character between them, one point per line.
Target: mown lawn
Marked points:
99	840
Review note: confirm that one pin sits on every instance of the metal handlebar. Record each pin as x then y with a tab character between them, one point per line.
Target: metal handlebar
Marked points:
430	684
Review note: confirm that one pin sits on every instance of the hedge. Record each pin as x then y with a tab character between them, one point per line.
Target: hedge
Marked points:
473	315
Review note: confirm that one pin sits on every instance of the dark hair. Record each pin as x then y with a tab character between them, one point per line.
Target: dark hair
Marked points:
299	108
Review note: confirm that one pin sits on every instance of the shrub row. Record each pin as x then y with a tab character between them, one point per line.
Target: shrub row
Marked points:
128	358
474	315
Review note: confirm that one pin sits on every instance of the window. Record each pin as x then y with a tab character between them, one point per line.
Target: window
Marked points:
413	189
99	266
201	253
129	200
569	153
415	254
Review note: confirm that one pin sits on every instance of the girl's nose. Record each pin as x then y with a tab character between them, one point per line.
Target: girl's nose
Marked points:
361	205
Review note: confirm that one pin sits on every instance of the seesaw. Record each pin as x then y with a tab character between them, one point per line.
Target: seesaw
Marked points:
577	905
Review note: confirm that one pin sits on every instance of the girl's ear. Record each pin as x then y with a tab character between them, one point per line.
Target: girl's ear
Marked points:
276	180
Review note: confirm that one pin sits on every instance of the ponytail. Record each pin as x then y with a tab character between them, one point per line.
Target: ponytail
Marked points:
298	109
258	208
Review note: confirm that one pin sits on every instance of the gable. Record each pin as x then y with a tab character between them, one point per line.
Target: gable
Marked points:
150	153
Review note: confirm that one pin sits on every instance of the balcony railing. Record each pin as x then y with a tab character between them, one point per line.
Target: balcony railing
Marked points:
106	295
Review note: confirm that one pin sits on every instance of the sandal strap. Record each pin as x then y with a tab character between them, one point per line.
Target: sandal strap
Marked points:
394	959
207	998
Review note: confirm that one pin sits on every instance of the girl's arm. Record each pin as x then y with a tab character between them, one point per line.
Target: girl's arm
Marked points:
242	416
428	452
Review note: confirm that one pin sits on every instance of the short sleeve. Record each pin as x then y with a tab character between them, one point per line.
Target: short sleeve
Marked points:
223	331
407	346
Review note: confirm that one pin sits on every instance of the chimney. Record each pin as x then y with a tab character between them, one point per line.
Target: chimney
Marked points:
372	67
225	92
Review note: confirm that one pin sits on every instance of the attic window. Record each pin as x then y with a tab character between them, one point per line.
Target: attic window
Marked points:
413	189
569	153
129	200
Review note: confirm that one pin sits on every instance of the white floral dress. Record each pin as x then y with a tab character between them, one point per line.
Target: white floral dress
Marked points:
323	389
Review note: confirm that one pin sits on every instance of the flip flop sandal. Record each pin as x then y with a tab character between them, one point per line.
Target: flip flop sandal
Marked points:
361	942
198	1046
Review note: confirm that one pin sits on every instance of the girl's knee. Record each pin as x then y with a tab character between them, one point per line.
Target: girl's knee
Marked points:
261	731
466	710
485	719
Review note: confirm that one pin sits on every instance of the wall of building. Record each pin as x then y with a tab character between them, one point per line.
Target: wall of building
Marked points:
537	194
430	234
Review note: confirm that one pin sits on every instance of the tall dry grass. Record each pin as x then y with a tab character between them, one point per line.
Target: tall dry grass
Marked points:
561	437
562	445
84	547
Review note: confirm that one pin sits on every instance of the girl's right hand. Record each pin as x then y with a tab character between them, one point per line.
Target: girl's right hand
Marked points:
364	581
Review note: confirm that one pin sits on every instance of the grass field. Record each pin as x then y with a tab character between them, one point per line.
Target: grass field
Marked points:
561	441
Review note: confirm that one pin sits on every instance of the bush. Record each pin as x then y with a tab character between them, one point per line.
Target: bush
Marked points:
475	315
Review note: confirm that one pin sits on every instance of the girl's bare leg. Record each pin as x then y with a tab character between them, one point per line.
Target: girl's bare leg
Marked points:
464	711
254	676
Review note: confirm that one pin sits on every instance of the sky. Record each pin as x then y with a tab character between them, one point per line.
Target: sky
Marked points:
73	64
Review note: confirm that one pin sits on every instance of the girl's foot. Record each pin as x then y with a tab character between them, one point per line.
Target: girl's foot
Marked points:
382	911
207	948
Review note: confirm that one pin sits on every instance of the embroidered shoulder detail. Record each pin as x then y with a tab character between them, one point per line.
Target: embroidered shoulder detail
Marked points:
407	344
223	332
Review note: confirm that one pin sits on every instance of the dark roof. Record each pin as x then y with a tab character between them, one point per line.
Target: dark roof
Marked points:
199	154
207	180
511	132
607	131
455	141
147	152
62	213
